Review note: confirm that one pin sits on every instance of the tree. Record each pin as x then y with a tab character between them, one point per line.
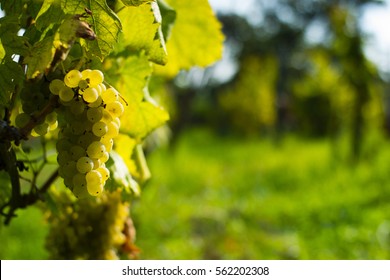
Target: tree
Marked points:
59	118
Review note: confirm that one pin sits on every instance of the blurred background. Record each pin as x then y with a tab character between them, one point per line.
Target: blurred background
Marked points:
279	151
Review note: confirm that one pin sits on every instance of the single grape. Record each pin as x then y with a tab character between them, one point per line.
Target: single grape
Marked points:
107	142
99	129
96	150
63	157
77	107
105	157
110	95
63	144
95	114
90	95
77	127
22	119
115	108
55	86
41	129
113	130
84	164
86	139
96	103
77	152
66	94
104	172
72	78
85	74
83	84
51	117
95	77
94	182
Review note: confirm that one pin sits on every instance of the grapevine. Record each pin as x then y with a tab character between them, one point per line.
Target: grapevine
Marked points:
75	110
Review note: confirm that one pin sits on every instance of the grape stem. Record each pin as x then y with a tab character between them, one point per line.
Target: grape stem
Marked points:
19	201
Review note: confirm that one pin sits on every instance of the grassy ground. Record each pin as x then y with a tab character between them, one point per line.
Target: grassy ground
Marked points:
232	199
216	198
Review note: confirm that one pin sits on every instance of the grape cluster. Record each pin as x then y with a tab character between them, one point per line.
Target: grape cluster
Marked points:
89	228
88	122
34	97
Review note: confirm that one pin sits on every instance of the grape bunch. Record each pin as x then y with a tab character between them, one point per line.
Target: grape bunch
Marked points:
88	122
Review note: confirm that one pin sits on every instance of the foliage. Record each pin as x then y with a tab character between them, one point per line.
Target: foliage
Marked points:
254	199
41	42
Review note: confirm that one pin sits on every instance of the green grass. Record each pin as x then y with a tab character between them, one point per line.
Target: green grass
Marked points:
24	238
214	198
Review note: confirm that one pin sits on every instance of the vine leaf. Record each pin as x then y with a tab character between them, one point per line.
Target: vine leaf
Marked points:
142	31
11	42
141	116
40	57
120	176
11	74
102	20
196	38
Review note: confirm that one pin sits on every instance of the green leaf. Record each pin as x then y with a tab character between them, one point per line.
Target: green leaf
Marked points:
120	176
196	38
11	75
169	16
142	31
103	21
14	7
49	15
12	43
40	57
141	116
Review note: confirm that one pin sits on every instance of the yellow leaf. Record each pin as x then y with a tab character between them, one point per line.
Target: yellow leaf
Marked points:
196	38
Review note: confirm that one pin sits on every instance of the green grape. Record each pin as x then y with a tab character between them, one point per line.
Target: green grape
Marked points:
99	129
77	152
80	190
105	157
77	107
115	108
86	139
85	74
102	87
51	117
79	180
94	182
97	103
53	126
83	84
110	95
63	144
69	169
95	114
90	95
96	163
96	77
107	117
41	129
84	164
55	86
113	129
107	142
77	127
22	119
63	157
104	172
96	150
66	94
73	78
